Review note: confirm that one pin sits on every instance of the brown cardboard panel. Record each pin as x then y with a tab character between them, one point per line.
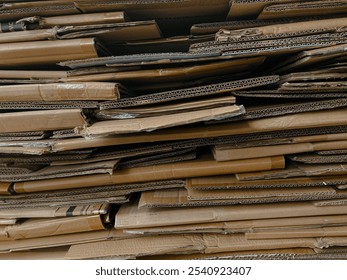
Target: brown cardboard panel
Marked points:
310	57
33	228
334	152
282	123
250	9
111	127
130	216
31	74
275	94
224	154
259	225
45	105
28	36
161	9
50	8
41	120
315	86
315	158
113	33
231	182
173	74
60	92
312	76
299	233
289	140
46	52
286	108
303	9
51	172
203	166
266	43
51	212
8	221
76	20
296	170
182	198
57	253
56	241
190	243
257	193
284	30
165	109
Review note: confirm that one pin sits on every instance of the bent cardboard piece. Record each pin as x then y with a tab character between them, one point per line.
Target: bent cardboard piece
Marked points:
32	74
130	216
305	120
76	20
104	128
8	221
60	92
315	158
284	30
331	231
250	9
191	243
310	57
54	212
46	52
300	9
33	228
200	91
231	182
173	74
225	154
158	110
28	36
113	33
41	120
204	166
51	172
57	253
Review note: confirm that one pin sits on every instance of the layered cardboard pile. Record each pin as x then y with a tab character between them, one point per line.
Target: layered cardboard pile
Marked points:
192	129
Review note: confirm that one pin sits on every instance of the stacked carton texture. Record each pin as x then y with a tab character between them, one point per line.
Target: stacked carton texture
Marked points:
173	129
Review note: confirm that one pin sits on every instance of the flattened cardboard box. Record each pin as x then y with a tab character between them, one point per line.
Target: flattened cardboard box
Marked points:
307	120
61	92
130	216
46	52
331	231
159	110
303	9
34	228
180	198
203	243
202	167
111	127
284	30
51	212
223	154
41	120
246	226
231	182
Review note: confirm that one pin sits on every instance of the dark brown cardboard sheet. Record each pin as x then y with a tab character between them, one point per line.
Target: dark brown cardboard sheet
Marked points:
313	158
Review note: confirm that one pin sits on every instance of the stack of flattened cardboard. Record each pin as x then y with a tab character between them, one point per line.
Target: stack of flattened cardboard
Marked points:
169	129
